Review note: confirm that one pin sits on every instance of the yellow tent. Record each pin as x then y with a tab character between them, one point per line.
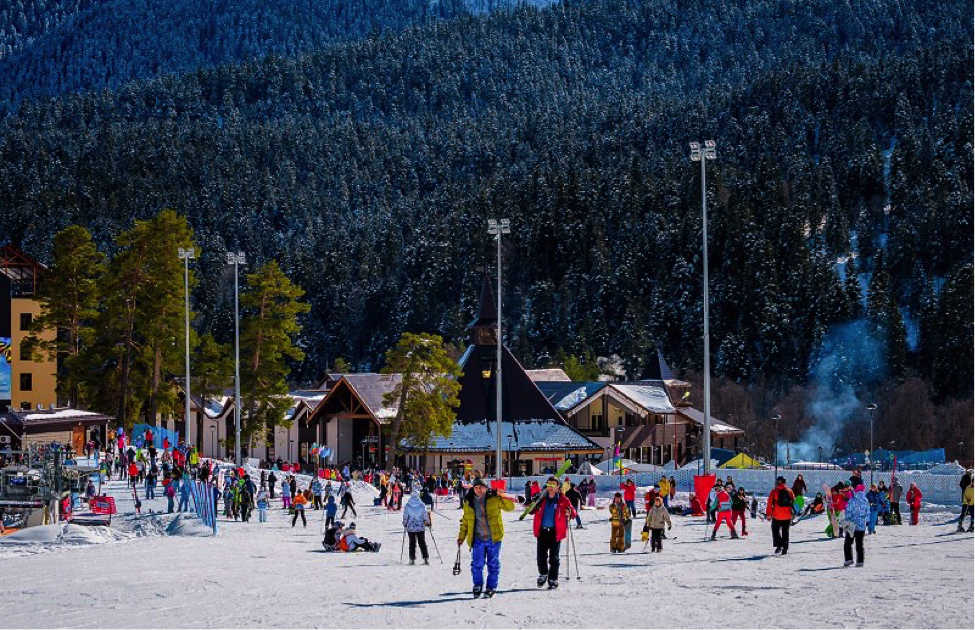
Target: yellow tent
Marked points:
741	461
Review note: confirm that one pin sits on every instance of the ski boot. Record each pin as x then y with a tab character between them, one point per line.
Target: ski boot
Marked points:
488	594
859	565
714	535
540	582
553	584
426	561
734	535
848	563
476	591
412	562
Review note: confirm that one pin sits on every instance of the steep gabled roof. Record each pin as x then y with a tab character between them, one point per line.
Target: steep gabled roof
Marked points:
521	398
526	436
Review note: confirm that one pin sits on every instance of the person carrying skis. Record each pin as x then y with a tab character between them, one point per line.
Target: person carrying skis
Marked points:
552	514
416	519
723	511
619	514
654	523
914	497
857	512
481	526
779	511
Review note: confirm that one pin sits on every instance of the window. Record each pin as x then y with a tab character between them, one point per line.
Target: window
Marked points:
25	406
25	320
24	352
26	382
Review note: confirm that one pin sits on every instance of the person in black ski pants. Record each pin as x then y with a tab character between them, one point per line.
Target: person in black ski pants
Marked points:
348	503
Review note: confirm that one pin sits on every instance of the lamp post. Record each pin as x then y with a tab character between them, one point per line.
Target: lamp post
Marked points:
619	440
775	442
702	155
872	408
510	462
213	442
496	229
290	442
237	259
186	255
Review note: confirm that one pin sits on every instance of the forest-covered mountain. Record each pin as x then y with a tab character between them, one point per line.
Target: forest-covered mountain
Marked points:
369	168
53	47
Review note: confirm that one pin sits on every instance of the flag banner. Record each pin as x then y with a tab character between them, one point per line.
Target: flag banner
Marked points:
205	504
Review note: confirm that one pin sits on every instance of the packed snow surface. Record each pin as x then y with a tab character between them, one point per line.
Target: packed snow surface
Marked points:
158	570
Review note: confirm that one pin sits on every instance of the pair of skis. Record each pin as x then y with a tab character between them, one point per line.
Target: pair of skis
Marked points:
534	503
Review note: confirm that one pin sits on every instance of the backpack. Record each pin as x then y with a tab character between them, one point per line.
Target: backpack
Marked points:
782	498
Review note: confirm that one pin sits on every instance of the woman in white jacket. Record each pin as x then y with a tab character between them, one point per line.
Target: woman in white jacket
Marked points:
416	519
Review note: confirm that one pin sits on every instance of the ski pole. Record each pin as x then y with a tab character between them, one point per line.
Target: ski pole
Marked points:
572	541
457	562
402	546
568	559
434	539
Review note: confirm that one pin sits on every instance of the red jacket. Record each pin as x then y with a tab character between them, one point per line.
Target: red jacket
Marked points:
914	497
724	499
563	512
649	497
133	470
776	512
629	492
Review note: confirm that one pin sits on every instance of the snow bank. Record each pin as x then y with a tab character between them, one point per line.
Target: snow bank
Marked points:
188	525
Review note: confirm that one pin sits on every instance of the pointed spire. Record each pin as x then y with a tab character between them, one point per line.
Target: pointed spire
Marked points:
484	328
487	311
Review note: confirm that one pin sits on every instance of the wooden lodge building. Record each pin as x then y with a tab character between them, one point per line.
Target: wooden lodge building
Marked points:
648	417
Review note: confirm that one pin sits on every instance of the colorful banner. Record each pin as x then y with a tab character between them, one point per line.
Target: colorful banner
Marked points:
6	371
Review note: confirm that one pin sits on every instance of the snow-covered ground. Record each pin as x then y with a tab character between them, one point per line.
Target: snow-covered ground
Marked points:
156	571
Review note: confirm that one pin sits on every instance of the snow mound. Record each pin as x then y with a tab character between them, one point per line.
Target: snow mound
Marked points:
82	535
41	535
188	525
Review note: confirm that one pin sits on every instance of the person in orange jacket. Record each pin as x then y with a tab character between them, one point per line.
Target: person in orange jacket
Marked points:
299	503
779	511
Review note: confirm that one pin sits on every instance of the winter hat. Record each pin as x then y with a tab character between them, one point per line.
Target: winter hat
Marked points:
478	482
860	488
780	480
352	526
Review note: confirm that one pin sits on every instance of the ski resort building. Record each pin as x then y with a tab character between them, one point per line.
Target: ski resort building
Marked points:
26	381
649	418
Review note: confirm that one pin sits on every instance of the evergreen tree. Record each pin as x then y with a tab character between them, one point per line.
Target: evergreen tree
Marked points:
213	372
886	320
68	294
271	307
953	365
426	396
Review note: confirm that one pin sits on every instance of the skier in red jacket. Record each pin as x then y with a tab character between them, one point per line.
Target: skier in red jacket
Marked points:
550	525
723	513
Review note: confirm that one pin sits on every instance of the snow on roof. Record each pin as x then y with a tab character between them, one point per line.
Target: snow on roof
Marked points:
530	435
371	388
567	395
651	396
215	406
60	413
548	374
717	426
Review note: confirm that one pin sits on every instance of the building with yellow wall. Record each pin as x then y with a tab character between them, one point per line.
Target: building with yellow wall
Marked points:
25	383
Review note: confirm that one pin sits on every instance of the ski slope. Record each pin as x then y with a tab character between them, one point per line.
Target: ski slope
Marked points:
154	573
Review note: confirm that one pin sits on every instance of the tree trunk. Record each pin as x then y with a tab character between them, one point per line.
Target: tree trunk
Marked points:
154	388
126	361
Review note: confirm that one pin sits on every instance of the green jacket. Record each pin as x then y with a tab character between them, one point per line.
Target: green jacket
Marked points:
493	506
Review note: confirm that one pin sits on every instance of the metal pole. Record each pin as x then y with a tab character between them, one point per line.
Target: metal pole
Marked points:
707	344
497	473
236	365
186	290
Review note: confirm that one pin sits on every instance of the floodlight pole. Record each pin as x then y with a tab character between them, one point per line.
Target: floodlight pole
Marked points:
496	229
187	254
237	259
703	155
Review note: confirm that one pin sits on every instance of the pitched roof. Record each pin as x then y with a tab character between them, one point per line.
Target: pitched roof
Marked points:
568	395
40	418
531	435
487	308
548	374
521	398
717	426
371	387
650	396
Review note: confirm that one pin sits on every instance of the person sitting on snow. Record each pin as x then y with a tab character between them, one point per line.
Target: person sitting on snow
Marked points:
695	509
816	507
350	542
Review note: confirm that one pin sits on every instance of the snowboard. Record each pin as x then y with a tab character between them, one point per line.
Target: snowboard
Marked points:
833	527
531	506
628	534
